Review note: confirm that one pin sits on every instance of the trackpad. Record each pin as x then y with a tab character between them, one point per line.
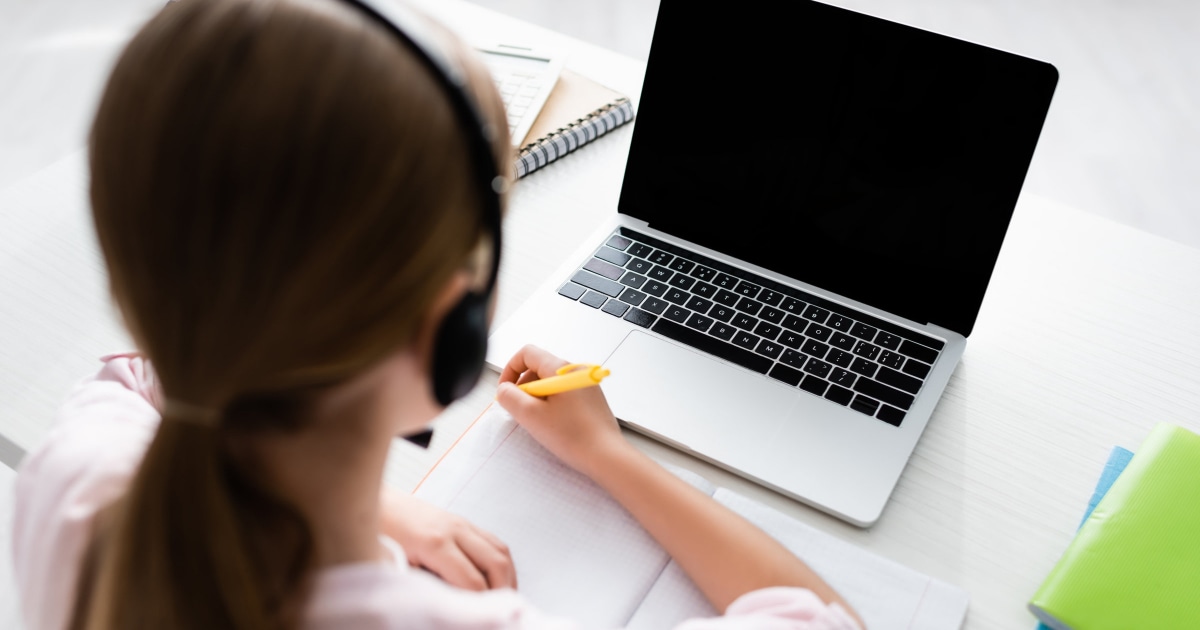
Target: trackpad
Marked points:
693	400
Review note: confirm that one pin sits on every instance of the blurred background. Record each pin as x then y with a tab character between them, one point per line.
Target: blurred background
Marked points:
1122	139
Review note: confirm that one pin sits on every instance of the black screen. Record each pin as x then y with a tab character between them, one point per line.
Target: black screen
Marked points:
868	158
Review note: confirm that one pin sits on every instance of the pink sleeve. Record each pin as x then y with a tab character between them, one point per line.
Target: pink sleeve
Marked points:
781	608
85	461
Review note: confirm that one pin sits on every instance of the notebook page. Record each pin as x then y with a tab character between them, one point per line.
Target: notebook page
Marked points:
577	552
887	595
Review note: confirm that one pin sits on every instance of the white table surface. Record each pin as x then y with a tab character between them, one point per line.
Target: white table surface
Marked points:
1087	338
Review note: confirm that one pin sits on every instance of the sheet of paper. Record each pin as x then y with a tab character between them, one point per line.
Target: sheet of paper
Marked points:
578	553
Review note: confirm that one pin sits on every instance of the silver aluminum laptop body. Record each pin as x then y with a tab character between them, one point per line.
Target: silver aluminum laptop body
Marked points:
808	447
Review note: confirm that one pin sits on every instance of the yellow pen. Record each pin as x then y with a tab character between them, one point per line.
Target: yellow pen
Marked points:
573	376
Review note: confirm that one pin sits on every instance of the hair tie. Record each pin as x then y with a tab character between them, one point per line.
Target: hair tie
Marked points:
190	413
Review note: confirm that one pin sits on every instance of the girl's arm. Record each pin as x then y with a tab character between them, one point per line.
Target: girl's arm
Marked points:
723	553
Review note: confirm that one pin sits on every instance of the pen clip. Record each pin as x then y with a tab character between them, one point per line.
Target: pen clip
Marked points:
571	367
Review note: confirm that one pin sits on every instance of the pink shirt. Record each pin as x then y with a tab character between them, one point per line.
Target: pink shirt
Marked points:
94	448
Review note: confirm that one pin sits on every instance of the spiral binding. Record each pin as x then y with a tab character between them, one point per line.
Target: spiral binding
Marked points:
564	140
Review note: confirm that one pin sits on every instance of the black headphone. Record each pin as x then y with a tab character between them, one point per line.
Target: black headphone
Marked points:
460	347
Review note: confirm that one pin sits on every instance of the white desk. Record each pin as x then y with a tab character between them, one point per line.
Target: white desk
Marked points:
1088	337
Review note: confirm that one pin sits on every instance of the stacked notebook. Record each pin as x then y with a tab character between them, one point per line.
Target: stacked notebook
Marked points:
578	111
1135	562
580	555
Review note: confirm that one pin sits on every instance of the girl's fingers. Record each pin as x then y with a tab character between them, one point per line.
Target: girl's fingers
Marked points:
490	557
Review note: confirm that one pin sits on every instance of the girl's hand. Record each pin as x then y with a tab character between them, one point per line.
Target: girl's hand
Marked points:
577	426
447	545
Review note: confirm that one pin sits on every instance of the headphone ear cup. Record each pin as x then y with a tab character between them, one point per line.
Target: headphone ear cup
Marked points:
460	349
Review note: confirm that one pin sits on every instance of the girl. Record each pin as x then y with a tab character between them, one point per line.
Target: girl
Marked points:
287	203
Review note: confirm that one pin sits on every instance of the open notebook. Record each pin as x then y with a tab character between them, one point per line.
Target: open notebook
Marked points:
581	555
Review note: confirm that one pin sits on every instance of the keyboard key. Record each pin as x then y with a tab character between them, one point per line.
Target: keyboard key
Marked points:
839	394
613	307
795	323
888	340
840	358
817	367
845	378
772	298
891	359
792	305
698	304
722	331
768	348
618	242
677	314
864	367
660	273
888	376
655	305
818	332
705	290
748	306
814	385
791	339
639	266
744	321
640	317
794	359
681	265
815	348
655	288
608	270
704	273
917	351
862	404
916	368
745	340
728	298
632	296
879	391
613	256
715	347
699	322
596	283
842	340
773	315
840	323
631	279
725	281
571	290
661	258
677	296
767	330
722	313
747	289
890	415
816	314
640	250
786	374
682	281
593	299
868	350
863	331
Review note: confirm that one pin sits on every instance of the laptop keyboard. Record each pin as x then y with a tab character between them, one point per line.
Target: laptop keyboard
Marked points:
826	349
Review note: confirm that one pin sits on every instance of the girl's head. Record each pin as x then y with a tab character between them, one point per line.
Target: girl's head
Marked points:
284	198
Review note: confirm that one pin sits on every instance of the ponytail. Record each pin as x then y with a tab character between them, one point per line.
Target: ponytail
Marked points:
194	544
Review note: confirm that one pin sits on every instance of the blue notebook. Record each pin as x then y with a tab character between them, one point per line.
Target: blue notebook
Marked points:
1117	460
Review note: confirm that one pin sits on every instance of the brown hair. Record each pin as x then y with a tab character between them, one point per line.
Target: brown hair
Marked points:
280	190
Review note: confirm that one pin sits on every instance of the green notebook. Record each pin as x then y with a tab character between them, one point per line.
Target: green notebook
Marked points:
1135	562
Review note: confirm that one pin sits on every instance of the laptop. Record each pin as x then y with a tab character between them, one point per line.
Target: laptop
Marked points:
813	204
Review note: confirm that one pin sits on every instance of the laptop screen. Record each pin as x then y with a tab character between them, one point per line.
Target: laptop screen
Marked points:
864	157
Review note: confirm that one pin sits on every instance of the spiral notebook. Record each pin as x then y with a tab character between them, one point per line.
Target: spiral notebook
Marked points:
580	555
578	111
